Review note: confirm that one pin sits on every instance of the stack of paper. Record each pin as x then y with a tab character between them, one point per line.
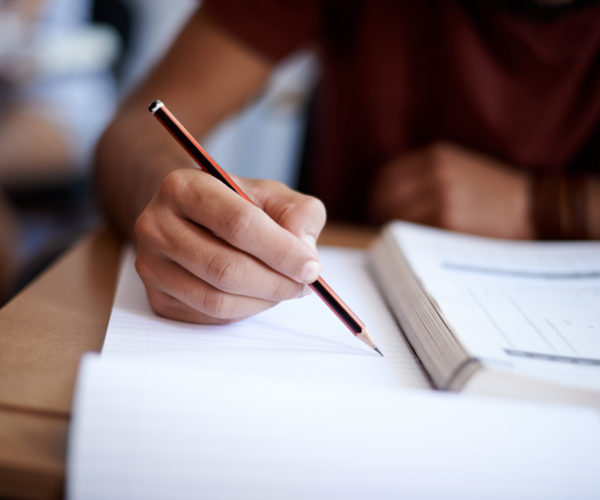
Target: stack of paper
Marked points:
288	404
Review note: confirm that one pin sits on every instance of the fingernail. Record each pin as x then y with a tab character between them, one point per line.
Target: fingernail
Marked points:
310	240
310	271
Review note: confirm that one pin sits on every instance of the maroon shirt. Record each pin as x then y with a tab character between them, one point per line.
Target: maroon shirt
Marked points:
400	74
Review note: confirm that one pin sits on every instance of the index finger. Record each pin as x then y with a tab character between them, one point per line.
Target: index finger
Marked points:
211	204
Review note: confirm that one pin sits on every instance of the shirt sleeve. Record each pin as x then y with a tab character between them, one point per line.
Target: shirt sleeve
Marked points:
274	28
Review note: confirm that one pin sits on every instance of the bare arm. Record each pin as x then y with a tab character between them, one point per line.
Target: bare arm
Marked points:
174	212
455	188
205	76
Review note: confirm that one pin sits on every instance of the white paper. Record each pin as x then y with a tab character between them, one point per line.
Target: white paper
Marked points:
155	430
289	404
297	339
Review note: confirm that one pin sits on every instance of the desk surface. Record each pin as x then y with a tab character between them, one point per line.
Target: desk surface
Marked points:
43	333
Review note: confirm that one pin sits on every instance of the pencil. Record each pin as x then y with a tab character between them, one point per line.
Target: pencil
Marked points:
202	158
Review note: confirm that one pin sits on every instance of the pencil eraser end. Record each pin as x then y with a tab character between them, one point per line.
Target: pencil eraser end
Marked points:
155	106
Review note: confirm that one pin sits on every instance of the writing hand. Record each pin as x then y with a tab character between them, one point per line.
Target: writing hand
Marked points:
451	187
206	255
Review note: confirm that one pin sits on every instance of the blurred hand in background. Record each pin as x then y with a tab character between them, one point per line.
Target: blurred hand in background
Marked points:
452	187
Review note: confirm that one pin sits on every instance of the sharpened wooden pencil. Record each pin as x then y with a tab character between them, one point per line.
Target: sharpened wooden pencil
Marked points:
202	158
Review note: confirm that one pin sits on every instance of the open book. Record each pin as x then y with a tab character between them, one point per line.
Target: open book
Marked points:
496	317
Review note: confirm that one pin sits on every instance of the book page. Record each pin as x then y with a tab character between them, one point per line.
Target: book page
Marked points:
529	305
297	339
178	431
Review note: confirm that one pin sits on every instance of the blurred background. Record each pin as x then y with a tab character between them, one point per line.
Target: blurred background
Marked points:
64	66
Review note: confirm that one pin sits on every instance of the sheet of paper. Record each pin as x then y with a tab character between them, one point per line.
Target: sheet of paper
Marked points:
156	430
297	339
524	304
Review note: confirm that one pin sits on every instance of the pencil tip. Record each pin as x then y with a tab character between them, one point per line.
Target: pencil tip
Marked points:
366	338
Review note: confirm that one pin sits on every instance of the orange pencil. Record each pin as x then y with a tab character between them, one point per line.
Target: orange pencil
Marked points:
202	158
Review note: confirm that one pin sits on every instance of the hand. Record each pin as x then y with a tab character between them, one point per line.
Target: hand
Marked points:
453	188
206	255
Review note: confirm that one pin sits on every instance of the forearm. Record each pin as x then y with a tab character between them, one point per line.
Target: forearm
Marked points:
136	153
130	166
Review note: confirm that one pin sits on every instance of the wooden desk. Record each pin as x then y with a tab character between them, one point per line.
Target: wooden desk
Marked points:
43	333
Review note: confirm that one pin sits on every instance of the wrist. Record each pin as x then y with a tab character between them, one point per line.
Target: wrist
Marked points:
592	198
559	206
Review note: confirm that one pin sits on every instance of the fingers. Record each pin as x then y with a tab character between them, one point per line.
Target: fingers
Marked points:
203	200
420	207
392	192
407	189
302	215
185	298
213	261
453	188
207	255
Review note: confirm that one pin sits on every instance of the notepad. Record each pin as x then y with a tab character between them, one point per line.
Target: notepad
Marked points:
288	404
155	430
299	338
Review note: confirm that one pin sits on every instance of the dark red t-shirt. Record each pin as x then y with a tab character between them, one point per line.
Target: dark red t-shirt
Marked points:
400	74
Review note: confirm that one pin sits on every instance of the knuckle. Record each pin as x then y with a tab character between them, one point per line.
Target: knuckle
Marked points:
316	208
175	183
216	305
224	272
144	226
238	225
148	229
283	290
162	304
304	214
